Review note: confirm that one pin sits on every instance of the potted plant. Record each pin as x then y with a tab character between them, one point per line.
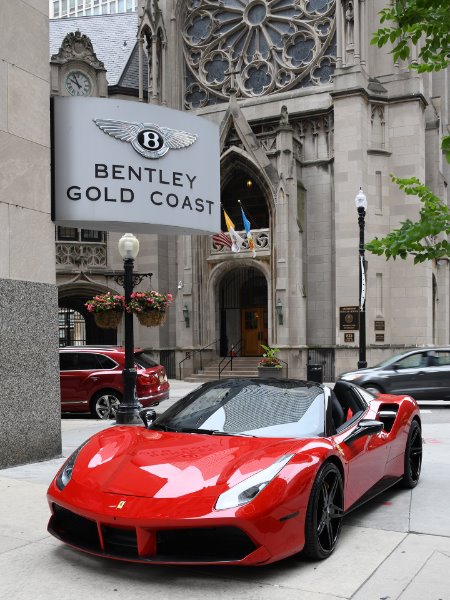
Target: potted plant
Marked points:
107	309
149	307
270	365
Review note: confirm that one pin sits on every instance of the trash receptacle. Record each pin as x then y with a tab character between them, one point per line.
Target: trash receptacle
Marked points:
314	373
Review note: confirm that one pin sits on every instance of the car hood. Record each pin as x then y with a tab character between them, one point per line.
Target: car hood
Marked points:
360	372
154	464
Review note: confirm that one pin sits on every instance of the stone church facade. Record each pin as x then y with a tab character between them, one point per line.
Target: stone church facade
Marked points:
309	112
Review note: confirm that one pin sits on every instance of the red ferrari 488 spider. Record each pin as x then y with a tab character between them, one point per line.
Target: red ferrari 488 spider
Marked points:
237	472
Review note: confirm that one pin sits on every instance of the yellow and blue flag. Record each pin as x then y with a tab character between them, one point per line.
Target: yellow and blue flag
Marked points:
251	241
236	239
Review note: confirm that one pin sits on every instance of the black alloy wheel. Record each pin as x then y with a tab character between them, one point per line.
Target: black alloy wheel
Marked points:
413	457
324	514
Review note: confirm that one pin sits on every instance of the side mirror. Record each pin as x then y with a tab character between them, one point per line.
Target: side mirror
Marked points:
365	427
395	367
148	415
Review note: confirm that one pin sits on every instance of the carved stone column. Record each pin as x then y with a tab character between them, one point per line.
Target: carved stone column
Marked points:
154	96
141	83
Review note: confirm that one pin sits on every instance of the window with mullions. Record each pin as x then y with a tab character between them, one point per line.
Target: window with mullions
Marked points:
69	234
72	234
91	235
72	328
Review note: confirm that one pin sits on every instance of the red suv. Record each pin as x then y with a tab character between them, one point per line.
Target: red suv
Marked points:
91	379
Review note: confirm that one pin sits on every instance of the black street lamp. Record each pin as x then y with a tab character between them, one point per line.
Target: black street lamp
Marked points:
128	409
361	205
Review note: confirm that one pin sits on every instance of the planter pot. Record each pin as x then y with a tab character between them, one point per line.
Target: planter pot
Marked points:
270	372
108	320
153	318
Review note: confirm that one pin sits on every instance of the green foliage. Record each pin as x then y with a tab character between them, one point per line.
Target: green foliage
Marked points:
422	22
269	357
417	239
426	22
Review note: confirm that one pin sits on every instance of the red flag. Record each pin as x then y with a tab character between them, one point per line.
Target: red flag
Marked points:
221	239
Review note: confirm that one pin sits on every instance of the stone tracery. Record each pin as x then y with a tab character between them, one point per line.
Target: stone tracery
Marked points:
258	47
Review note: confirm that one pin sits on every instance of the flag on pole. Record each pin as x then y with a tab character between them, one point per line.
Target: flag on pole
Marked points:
221	239
236	239
251	241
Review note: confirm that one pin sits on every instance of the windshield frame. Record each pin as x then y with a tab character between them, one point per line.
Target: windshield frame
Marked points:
207	419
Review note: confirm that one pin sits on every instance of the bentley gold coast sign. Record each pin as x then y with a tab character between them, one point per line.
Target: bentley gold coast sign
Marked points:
119	165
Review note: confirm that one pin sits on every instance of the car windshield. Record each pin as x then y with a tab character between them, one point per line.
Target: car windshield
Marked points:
388	361
263	408
144	360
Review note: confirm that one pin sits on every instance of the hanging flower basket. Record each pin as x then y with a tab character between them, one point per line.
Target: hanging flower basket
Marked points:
108	320
107	309
152	318
150	307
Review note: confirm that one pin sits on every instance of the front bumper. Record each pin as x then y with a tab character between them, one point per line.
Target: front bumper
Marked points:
140	530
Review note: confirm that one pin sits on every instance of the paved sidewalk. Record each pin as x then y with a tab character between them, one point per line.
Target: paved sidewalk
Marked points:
395	548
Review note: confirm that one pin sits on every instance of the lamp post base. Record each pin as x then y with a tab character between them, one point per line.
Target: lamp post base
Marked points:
125	417
362	364
128	410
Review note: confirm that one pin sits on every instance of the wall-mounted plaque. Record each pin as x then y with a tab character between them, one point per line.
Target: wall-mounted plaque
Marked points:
349	337
349	318
379	325
379	337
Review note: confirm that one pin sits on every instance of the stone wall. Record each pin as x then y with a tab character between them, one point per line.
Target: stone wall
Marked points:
29	373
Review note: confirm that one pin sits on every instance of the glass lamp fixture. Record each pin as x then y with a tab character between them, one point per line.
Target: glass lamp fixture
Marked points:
128	246
361	200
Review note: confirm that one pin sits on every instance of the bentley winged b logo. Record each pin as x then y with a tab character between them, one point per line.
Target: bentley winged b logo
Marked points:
151	141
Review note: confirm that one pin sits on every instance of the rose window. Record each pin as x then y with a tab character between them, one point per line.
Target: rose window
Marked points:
256	47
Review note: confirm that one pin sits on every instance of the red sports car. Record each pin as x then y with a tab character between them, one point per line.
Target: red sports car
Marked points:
91	379
241	472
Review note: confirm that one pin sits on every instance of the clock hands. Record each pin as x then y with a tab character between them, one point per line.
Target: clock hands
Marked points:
75	80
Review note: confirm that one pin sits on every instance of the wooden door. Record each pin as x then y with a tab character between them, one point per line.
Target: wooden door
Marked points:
253	330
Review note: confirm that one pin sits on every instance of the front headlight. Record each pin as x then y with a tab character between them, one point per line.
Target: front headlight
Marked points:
65	475
247	490
350	376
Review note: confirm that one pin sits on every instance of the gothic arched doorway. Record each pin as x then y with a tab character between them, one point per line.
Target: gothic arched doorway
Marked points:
243	311
239	184
77	325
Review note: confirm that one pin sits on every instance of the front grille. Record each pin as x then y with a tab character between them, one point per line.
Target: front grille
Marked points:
206	544
203	545
74	529
120	542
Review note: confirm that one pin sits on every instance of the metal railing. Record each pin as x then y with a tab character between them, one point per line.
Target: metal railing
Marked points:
234	351
167	360
324	357
287	366
191	353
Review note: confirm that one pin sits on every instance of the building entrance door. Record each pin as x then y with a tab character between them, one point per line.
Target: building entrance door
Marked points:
243	312
253	330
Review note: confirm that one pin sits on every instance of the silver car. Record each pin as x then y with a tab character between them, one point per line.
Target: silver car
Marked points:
425	374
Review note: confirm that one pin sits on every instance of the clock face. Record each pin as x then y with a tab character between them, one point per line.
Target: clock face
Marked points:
78	84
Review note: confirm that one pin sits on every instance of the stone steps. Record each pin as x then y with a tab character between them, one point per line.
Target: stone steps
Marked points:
243	367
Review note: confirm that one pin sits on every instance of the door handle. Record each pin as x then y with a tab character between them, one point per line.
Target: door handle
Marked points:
94	378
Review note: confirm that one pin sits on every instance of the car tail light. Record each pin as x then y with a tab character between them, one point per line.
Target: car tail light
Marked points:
147	378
